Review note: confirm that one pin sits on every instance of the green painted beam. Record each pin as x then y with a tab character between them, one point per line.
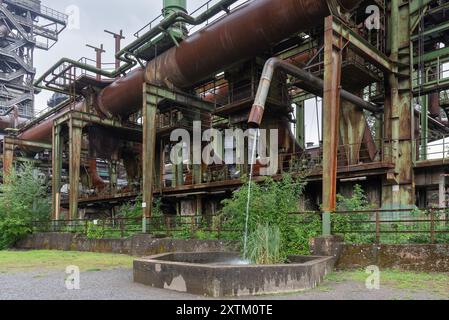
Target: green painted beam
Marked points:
439	28
415	5
180	97
432	56
363	47
432	86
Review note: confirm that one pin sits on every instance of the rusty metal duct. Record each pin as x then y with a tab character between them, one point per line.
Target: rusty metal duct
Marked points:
42	132
246	32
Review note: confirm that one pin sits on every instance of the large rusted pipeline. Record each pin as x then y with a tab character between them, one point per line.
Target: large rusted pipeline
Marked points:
42	132
10	121
250	30
434	105
267	22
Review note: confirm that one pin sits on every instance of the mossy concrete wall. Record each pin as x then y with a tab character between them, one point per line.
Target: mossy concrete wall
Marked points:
410	257
138	245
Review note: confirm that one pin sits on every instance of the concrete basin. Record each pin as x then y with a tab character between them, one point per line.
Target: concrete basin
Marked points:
219	274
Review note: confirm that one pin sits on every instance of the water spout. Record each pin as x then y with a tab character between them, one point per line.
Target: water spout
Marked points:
255	133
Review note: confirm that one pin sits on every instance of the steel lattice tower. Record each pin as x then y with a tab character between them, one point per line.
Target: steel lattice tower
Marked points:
25	25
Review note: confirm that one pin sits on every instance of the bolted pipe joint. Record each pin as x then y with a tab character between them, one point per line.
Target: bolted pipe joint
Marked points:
172	6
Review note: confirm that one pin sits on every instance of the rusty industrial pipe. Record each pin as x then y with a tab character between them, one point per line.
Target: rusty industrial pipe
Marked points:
191	62
10	119
309	79
185	65
42	132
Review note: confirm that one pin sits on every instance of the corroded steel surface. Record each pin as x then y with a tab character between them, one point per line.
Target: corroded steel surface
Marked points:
42	131
123	96
230	40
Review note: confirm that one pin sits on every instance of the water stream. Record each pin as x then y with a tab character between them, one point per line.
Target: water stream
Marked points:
255	134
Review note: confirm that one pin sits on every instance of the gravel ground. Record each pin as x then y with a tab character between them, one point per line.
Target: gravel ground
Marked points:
118	285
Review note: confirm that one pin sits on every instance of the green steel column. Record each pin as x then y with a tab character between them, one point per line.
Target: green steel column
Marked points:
180	168
8	158
178	30
113	176
149	151
76	137
424	127
398	188
331	121
171	6
300	132
56	172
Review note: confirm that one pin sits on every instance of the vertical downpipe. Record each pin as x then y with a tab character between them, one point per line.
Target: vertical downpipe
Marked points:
178	30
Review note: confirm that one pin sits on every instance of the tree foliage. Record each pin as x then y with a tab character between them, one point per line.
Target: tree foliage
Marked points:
23	199
271	205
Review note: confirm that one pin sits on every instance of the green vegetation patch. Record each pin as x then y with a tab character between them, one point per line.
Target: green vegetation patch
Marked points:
19	261
437	283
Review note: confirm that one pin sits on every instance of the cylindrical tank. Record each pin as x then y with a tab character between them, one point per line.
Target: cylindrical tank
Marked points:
249	31
171	6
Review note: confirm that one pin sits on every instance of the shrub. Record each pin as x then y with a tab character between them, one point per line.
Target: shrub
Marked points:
271	204
23	199
94	231
264	245
344	223
12	230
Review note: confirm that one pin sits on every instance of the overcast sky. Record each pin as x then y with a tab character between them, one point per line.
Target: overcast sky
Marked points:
95	16
130	15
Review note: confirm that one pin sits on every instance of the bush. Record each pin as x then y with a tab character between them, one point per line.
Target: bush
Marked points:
23	199
271	204
94	231
12	230
344	223
264	245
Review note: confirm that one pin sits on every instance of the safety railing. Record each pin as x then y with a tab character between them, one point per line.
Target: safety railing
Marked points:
379	226
433	150
49	12
388	226
435	74
183	227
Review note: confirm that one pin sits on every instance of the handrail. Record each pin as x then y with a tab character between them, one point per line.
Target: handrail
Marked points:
126	54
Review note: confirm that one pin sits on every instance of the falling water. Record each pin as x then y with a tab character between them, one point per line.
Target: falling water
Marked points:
253	160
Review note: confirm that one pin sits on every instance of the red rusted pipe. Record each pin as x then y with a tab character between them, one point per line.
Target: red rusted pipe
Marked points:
97	182
434	105
246	32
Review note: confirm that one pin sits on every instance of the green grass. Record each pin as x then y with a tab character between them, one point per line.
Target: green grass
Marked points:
437	283
17	261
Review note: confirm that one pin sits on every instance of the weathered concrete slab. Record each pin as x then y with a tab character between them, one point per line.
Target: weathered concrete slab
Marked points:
138	245
410	257
413	257
211	274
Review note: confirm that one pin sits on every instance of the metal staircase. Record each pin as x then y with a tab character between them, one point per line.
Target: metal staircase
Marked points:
26	25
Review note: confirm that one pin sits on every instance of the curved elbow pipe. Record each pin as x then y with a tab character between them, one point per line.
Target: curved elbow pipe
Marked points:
311	82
